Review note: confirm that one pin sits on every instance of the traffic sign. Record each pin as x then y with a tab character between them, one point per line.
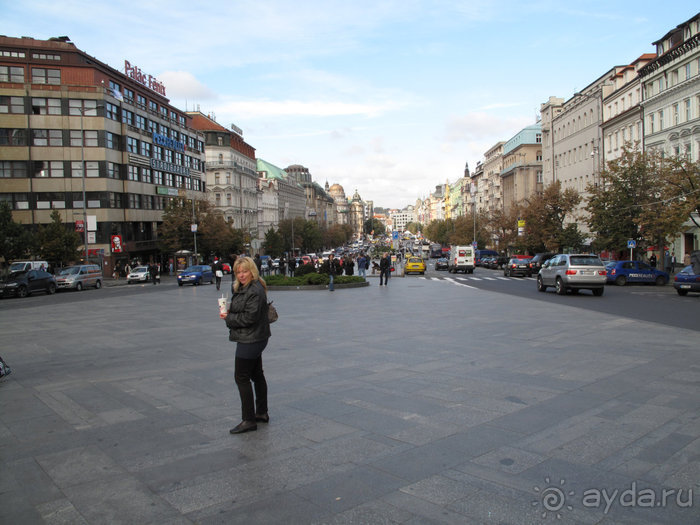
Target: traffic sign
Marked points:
631	243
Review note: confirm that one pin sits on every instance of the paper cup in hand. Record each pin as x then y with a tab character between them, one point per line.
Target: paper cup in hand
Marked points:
222	307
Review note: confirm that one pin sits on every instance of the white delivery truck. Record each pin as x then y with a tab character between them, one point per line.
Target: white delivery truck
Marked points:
461	259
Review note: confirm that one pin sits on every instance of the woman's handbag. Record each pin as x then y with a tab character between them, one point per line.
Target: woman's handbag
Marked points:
272	314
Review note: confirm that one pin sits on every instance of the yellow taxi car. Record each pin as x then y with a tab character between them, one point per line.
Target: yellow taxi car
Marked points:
414	264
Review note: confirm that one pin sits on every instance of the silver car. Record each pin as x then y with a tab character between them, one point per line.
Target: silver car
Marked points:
573	272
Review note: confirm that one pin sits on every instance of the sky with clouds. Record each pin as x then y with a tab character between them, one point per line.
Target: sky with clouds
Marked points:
386	97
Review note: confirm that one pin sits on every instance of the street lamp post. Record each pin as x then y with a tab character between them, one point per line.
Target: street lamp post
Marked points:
82	171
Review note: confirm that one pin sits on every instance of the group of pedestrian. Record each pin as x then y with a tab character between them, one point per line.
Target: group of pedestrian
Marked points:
669	261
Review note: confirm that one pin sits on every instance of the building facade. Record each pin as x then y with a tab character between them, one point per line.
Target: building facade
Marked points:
102	147
320	206
230	173
671	105
521	175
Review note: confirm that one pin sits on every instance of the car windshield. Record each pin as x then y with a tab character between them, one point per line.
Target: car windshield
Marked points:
71	270
582	260
194	269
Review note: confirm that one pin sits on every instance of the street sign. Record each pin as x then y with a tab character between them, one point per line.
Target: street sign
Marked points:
631	243
80	226
474	245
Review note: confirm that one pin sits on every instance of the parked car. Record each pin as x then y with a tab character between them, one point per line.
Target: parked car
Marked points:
623	272
687	280
140	274
538	260
517	266
196	275
79	276
22	284
441	264
572	272
414	265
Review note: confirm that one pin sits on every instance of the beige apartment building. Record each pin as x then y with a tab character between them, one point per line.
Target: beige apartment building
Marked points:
671	104
521	176
622	110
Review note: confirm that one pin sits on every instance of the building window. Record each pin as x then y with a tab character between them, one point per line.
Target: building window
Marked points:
651	123
51	168
158	152
146	175
164	112
112	170
134	201
47	137
87	108
152	126
128	95
132	145
13	137
676	114
218	199
46	106
229	199
661	119
157	177
42	75
152	106
11	74
145	148
169	179
111	141
127	117
216	178
11	104
90	137
132	173
687	109
687	71
114	87
111	111
92	169
140	122
168	155
141	101
13	169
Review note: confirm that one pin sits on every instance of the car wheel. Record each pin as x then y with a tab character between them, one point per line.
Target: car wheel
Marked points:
505	273
660	281
422	273
621	280
179	284
559	287
22	291
598	291
682	292
79	286
98	284
51	289
540	285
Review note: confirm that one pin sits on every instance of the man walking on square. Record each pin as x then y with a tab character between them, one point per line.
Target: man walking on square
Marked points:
384	269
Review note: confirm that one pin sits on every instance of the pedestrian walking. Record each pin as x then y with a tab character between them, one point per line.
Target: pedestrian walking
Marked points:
218	272
283	265
153	272
292	265
362	265
667	263
249	327
652	260
384	269
332	270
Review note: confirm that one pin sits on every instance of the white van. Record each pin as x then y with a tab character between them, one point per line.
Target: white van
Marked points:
461	259
23	266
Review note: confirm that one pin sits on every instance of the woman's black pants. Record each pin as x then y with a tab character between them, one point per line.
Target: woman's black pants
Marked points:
248	370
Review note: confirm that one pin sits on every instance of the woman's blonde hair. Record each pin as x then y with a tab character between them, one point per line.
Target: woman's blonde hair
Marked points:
248	264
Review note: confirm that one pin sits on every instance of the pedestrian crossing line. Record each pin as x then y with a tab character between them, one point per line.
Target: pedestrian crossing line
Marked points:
456	282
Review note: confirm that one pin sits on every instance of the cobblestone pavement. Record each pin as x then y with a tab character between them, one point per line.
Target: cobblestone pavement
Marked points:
418	402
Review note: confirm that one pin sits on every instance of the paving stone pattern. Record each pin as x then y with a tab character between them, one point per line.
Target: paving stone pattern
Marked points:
414	403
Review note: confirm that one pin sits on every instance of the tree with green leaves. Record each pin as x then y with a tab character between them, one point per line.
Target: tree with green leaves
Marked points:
503	227
375	225
16	242
545	215
273	244
175	232
58	242
642	197
217	237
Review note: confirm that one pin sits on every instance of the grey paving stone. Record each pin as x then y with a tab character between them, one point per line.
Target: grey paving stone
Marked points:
401	420
340	492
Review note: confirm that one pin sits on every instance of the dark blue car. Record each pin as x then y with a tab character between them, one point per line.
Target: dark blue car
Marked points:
623	272
196	275
687	280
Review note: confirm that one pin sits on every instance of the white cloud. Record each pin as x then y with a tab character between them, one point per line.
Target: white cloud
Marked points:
183	85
